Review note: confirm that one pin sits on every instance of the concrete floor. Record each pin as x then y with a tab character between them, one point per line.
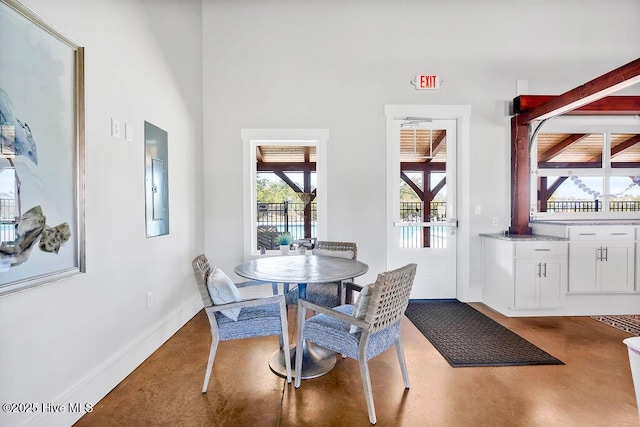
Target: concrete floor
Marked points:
593	388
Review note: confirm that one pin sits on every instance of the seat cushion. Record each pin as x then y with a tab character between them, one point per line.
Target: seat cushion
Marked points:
223	291
361	306
324	294
256	321
333	334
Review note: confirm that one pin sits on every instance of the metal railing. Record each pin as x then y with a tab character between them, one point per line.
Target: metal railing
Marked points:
592	206
414	237
274	219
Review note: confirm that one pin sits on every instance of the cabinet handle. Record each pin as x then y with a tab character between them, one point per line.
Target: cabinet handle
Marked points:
619	234
587	234
544	274
606	254
542	250
599	255
539	269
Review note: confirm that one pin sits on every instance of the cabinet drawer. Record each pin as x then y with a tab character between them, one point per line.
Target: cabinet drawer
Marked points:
609	233
541	249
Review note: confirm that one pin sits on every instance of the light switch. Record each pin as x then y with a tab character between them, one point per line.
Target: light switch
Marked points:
115	128
128	132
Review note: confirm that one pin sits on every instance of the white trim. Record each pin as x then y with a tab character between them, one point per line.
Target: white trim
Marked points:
101	380
462	115
252	138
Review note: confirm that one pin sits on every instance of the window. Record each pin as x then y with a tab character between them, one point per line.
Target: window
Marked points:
586	167
284	186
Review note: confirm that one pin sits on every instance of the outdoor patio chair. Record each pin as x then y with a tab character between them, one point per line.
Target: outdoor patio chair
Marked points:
328	294
364	330
258	317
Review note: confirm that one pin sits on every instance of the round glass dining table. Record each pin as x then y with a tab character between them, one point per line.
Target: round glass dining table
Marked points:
302	270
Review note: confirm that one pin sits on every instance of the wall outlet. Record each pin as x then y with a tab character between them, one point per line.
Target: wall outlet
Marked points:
149	300
494	221
477	210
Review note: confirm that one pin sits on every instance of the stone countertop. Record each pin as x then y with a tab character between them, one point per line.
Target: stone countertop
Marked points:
573	222
524	237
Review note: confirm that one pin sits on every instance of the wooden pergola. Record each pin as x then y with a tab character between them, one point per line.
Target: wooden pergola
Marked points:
301	159
591	98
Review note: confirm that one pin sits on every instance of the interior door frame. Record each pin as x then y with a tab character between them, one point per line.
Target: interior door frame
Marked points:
461	114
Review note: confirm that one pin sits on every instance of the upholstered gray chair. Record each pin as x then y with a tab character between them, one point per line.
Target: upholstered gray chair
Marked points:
327	294
363	331
258	317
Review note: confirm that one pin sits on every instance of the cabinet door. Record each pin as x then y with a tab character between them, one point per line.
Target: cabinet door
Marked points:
584	267
526	283
551	282
617	266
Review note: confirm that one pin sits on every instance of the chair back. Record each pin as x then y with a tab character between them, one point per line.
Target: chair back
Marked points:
390	297
338	246
202	269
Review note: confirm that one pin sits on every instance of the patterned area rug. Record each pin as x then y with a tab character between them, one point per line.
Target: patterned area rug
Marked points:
465	337
630	324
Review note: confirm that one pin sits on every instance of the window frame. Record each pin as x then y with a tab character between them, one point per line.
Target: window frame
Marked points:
605	125
253	138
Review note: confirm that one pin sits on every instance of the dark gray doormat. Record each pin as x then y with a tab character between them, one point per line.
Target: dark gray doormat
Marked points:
465	337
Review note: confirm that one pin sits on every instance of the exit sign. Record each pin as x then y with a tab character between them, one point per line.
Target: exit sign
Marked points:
427	82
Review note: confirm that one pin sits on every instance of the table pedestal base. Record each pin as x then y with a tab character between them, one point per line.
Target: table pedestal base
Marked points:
316	361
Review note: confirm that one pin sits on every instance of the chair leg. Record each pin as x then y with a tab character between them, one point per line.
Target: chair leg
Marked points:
403	363
302	312
212	355
284	338
366	384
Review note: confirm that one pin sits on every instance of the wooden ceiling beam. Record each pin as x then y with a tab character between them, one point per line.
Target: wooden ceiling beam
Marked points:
618	148
561	146
610	105
285	167
600	87
422	166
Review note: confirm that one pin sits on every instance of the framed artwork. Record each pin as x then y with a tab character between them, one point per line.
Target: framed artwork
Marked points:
41	151
156	177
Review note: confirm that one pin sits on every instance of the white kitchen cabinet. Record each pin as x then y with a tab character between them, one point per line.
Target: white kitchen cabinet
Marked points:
539	282
524	273
601	260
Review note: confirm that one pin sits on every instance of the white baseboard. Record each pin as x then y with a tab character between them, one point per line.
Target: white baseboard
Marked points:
105	377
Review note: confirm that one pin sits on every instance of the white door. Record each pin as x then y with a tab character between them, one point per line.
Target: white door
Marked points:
421	202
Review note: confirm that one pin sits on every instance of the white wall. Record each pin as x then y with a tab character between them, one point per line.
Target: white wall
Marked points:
73	340
334	65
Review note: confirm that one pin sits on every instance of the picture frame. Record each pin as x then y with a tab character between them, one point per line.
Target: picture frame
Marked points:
42	235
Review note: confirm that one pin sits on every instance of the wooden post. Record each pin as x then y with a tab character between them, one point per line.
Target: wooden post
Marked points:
520	171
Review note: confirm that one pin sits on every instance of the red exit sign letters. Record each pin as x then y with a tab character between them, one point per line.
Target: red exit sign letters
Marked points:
427	82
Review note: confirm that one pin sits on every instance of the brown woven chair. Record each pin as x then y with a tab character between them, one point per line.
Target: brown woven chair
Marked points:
327	294
378	331
259	317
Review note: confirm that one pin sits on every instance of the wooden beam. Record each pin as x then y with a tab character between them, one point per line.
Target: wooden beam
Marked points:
560	147
438	187
618	105
437	144
600	87
520	188
420	166
286	179
285	167
618	148
413	185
